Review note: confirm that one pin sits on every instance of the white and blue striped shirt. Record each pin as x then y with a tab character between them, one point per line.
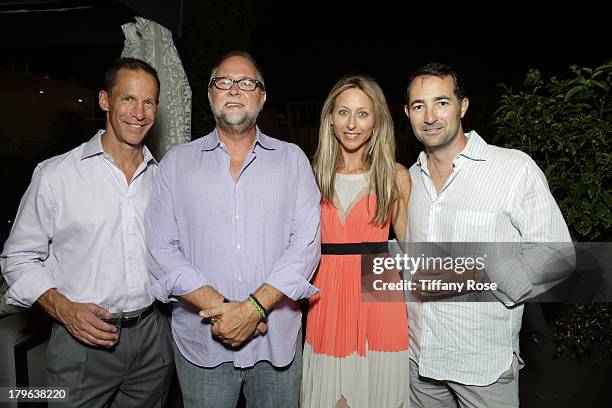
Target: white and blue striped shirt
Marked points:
492	195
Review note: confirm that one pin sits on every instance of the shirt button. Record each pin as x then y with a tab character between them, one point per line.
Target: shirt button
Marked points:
240	279
238	246
237	216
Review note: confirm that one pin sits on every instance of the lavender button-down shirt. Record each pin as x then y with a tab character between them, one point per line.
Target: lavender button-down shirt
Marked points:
80	229
202	228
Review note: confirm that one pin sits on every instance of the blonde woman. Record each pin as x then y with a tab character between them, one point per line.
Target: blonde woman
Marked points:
356	353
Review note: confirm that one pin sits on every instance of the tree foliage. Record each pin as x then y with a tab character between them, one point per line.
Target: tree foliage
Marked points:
565	126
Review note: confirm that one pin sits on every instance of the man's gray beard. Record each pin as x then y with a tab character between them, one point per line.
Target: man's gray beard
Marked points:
243	125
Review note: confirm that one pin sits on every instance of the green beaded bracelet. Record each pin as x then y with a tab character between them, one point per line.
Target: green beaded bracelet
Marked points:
262	311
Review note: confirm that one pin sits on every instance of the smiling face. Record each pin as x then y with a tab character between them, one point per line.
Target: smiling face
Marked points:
352	119
235	109
435	112
130	107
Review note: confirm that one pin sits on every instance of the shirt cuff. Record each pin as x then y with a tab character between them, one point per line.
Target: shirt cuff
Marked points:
29	287
292	285
513	285
180	283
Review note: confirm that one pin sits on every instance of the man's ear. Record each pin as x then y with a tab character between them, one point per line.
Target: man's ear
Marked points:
464	106
103	100
407	111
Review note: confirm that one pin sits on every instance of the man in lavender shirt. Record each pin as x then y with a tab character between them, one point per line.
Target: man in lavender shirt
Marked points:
235	215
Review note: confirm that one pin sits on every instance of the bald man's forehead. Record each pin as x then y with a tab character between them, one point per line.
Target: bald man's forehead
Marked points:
237	66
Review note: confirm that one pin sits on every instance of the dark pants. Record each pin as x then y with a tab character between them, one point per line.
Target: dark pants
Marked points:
134	373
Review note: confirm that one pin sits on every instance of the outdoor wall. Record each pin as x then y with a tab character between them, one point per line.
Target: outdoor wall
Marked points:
39	113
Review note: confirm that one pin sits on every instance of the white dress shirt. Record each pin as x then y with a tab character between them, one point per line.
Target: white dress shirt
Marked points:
79	228
492	195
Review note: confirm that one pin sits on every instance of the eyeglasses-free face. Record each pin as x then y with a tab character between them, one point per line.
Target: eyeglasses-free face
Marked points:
245	84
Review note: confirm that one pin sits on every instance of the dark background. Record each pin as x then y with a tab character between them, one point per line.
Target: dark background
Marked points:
303	49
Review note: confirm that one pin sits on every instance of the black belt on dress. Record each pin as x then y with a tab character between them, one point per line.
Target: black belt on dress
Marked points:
134	320
355	248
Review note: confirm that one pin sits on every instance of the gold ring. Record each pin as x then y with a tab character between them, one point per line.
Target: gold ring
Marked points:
215	320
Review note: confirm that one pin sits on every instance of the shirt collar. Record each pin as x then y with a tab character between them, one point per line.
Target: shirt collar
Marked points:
94	147
475	149
211	141
148	156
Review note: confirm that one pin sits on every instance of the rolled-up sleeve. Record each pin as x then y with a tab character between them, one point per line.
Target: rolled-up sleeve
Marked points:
545	255
173	275
27	248
292	272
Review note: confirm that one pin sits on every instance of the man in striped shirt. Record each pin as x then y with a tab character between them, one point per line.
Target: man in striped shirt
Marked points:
465	191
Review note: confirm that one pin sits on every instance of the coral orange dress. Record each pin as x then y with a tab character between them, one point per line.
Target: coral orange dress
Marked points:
355	350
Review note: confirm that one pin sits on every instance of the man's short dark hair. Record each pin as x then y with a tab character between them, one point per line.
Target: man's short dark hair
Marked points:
440	71
132	64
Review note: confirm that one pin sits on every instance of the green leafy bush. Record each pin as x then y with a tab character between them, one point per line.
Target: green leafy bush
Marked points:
582	329
565	126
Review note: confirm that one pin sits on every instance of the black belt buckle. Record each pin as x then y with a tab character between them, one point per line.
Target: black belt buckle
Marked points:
134	320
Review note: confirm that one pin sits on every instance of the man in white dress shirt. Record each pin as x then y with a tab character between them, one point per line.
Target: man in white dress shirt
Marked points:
463	353
77	246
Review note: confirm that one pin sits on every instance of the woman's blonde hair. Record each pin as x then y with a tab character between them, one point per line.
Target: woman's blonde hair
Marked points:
379	154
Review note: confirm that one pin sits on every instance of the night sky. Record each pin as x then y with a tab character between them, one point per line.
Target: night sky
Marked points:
304	47
314	45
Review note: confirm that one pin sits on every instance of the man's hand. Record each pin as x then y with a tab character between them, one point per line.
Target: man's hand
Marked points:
236	322
261	328
80	319
83	321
